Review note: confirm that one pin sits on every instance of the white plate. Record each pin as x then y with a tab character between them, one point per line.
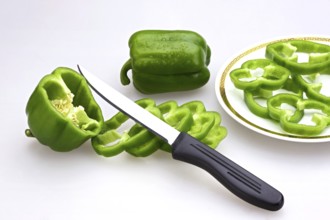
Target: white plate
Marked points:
231	99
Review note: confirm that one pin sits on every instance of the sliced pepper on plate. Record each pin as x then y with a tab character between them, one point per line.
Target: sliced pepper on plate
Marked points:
62	112
289	119
285	53
251	97
311	88
259	73
167	61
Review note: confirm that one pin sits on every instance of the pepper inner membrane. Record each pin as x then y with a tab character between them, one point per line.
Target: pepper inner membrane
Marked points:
63	99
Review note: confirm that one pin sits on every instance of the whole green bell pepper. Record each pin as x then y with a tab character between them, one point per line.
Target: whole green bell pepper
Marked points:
285	54
167	61
62	112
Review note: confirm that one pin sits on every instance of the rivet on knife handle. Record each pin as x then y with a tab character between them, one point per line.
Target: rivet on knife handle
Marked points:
239	181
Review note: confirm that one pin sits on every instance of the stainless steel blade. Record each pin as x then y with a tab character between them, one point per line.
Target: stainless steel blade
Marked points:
130	108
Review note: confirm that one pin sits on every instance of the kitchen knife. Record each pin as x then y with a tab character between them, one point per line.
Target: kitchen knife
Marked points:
188	149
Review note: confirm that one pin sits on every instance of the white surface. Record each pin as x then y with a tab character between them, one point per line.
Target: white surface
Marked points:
232	99
37	183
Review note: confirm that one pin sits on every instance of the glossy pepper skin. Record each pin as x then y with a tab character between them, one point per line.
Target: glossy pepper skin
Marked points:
167	61
62	112
285	54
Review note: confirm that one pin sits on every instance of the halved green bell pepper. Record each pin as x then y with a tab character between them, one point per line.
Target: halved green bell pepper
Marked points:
285	54
62	112
167	61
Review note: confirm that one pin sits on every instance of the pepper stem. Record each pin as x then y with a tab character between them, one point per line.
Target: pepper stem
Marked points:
123	72
28	133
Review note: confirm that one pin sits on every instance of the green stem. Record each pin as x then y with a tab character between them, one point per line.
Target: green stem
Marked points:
28	133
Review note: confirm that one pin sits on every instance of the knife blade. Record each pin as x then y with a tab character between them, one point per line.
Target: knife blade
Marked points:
185	148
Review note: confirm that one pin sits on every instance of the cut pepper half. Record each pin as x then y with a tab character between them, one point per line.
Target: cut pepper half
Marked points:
62	112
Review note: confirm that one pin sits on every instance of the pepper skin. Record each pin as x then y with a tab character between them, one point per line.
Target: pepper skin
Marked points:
62	112
167	61
285	54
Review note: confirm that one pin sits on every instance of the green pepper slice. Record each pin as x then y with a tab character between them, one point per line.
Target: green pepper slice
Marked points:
285	54
138	141
203	120
62	112
259	73
311	88
216	134
111	142
251	97
289	121
178	117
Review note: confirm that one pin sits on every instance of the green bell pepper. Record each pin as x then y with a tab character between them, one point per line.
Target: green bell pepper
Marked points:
259	73
289	120
285	54
167	61
62	112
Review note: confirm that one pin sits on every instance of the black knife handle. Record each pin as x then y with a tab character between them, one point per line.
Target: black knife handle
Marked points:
236	179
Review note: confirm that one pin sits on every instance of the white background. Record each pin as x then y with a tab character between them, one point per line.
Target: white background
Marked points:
38	183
